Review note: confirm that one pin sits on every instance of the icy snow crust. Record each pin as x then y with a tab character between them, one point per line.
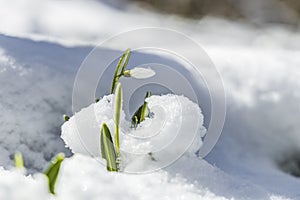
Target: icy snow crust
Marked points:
174	129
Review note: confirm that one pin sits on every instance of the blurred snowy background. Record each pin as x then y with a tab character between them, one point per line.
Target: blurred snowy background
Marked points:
254	44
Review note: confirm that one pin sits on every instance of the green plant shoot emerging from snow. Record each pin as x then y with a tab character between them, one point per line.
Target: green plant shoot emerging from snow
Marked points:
107	149
141	113
18	158
53	170
110	150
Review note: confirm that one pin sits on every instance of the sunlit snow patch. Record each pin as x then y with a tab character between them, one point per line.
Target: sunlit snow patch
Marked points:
175	127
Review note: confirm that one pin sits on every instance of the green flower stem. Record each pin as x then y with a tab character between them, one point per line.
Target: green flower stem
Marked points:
117	114
53	170
107	149
119	72
18	158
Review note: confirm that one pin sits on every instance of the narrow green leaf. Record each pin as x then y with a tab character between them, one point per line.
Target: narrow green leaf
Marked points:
53	170
117	114
126	60
18	158
107	149
121	66
145	112
135	120
141	113
97	100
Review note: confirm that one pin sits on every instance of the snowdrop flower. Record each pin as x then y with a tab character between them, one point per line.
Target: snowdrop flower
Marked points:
139	73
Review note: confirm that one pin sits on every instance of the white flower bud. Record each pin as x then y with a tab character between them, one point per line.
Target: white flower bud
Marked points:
140	73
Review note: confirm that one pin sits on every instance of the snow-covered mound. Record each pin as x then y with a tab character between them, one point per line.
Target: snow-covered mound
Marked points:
176	126
15	186
81	177
92	181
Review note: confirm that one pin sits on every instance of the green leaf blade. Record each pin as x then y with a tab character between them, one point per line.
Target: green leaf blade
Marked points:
144	111
141	113
18	159
107	149
53	170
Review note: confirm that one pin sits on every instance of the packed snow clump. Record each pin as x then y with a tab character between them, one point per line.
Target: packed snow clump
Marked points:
174	127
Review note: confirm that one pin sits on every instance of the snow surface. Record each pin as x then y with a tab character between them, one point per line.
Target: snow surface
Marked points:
14	186
260	70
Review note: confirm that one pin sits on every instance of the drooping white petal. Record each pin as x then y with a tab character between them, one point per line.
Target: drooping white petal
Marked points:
141	73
